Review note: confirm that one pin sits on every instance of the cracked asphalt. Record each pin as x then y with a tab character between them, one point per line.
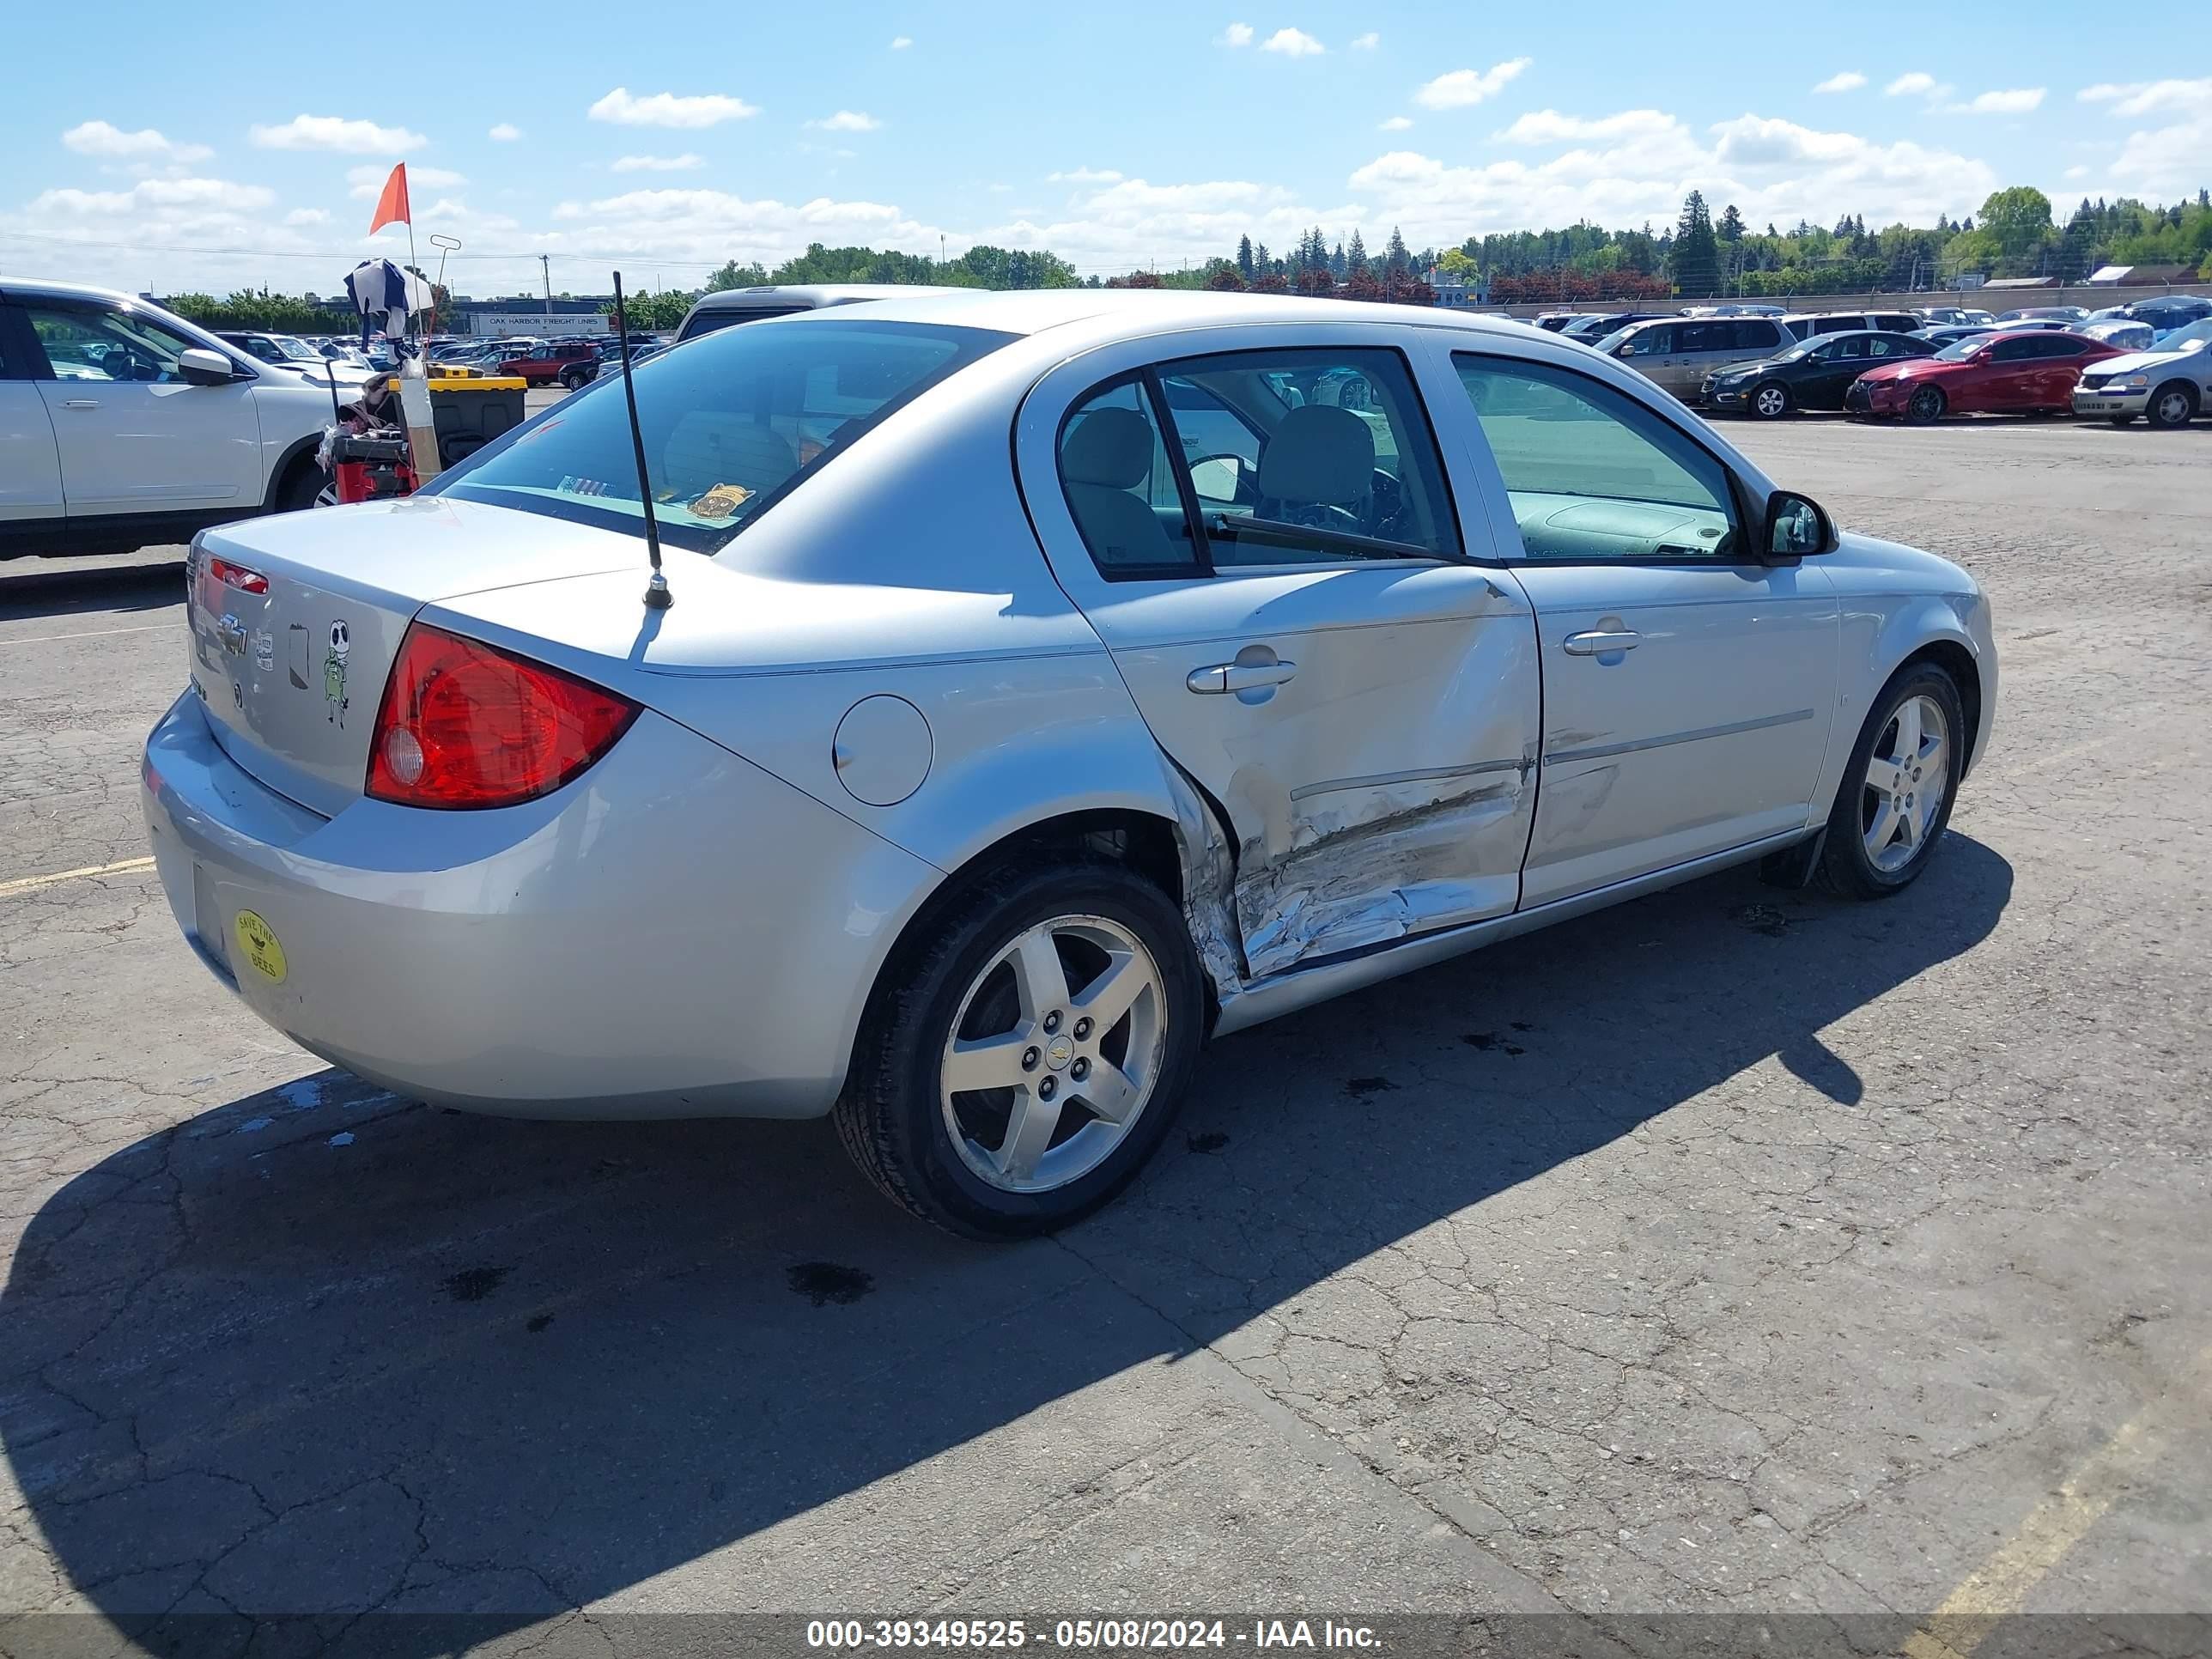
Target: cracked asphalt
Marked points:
1737	1251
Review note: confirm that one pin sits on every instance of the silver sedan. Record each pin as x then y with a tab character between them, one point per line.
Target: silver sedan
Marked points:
1053	682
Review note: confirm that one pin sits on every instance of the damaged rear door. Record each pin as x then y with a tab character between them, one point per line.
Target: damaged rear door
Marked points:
1263	536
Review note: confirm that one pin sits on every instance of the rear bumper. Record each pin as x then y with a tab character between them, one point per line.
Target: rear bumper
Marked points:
676	933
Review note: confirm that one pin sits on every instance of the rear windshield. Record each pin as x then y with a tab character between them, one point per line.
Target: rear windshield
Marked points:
732	422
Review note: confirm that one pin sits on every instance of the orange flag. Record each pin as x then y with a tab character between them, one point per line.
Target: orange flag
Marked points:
392	207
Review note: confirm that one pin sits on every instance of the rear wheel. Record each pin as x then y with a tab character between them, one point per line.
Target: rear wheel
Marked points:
1926	406
1028	1060
2172	404
571	378
305	485
1895	799
1770	400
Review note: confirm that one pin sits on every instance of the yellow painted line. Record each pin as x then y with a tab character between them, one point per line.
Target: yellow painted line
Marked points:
32	883
1999	1587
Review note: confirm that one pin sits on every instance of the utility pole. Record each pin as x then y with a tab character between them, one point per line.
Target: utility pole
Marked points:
546	268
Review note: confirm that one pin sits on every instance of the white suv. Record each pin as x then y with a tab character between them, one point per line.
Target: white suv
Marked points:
122	426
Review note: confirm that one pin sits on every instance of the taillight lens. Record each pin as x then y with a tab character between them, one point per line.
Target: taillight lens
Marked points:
464	724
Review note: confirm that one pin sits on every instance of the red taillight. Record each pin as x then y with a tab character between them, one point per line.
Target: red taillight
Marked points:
464	724
237	576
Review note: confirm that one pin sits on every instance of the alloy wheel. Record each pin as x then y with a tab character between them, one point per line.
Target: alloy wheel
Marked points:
2172	407
1770	401
1926	404
1054	1053
1905	780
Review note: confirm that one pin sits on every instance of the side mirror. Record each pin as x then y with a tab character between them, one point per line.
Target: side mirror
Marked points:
1796	527
1626	348
204	368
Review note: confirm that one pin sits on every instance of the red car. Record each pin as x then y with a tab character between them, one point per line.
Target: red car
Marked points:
2001	373
572	362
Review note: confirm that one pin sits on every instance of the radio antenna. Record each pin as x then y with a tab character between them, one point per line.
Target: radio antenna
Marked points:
657	596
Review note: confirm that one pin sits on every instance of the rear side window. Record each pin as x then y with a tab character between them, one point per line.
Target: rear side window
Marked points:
1759	334
707	322
730	426
1121	491
1715	336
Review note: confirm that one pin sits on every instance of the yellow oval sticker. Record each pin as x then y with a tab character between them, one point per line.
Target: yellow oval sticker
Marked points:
257	941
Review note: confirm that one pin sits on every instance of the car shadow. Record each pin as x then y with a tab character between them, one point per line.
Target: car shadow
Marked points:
28	591
320	1350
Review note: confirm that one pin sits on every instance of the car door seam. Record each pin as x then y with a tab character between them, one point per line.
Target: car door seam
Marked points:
1600	751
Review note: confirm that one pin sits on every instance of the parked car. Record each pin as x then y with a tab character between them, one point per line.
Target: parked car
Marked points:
1732	308
2170	311
2060	314
123	426
1592	329
571	363
1679	352
1557	322
752	305
998	751
1804	324
1940	316
2169	384
2010	372
1952	334
1814	373
294	355
2123	332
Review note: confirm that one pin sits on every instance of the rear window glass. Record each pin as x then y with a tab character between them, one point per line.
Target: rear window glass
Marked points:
732	422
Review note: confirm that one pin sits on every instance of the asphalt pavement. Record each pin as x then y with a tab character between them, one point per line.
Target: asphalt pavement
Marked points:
1737	1251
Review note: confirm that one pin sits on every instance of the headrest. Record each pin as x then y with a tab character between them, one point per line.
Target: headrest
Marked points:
1109	447
1319	453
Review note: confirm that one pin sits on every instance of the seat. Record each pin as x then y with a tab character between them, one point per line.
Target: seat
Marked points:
1106	456
1319	456
708	447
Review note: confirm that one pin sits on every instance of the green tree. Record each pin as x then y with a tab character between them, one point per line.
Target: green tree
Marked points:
1355	256
1244	257
1731	228
1695	259
1395	253
2016	221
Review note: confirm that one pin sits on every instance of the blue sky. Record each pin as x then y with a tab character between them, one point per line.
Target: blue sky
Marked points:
169	154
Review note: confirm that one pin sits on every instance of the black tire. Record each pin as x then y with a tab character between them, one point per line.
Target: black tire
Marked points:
1926	406
303	487
1845	867
571	378
1779	410
2172	405
889	1116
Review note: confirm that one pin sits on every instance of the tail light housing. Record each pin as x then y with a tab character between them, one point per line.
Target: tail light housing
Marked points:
466	724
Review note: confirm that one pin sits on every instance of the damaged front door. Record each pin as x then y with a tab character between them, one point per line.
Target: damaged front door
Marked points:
1290	607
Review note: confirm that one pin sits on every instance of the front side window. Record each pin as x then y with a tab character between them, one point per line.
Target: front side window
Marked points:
1654	342
731	424
1593	474
1851	345
85	343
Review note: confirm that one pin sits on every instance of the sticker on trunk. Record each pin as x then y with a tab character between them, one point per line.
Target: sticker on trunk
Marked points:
258	945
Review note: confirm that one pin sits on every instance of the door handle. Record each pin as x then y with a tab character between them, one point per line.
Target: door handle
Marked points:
79	403
1602	639
1217	678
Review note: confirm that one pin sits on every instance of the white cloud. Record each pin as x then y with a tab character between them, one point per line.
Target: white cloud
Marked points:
100	138
1395	123
1236	35
683	163
2077	173
308	216
847	120
1770	169
1910	84
1366	42
665	109
1293	43
1463	87
901	42
1085	176
505	133
153	195
337	132
367	182
2016	102
1549	126
1842	81
2150	97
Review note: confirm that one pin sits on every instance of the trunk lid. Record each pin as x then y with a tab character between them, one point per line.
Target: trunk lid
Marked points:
294	621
